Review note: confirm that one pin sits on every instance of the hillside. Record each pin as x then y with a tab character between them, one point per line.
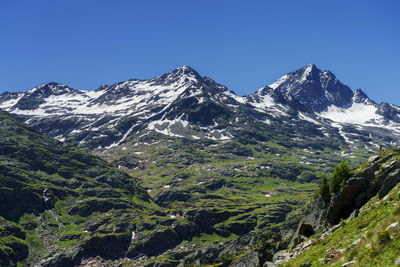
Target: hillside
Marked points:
195	173
367	233
62	206
59	203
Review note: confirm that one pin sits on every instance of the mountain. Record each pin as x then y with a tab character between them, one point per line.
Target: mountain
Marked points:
320	92
184	104
61	206
111	113
224	171
313	88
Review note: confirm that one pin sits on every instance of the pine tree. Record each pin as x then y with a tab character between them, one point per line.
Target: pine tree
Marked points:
339	176
323	190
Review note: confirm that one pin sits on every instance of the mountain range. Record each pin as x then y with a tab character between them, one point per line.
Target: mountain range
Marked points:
184	104
190	173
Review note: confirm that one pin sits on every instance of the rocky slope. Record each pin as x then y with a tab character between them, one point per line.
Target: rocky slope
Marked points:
357	226
59	204
62	206
224	171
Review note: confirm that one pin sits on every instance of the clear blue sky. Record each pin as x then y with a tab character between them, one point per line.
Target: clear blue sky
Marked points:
241	44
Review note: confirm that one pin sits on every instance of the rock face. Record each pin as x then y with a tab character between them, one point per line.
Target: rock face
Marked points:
375	177
310	220
379	177
166	197
313	88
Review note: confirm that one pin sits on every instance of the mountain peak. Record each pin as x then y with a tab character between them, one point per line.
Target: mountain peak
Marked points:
310	67
46	89
187	71
179	76
312	87
360	96
185	68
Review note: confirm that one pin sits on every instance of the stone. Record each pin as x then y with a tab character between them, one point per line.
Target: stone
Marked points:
373	158
349	263
250	260
392	179
356	242
393	227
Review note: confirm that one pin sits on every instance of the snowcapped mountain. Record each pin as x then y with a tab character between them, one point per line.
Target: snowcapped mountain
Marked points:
313	88
108	115
184	104
320	93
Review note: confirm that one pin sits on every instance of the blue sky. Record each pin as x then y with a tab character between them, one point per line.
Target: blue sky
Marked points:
241	44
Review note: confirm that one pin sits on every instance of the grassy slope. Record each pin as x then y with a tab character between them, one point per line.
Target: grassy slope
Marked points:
85	195
261	180
258	183
367	240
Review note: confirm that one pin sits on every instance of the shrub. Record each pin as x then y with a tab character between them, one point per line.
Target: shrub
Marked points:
339	176
323	189
383	237
396	211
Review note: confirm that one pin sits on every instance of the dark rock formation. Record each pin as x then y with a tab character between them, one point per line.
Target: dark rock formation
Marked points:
166	197
379	177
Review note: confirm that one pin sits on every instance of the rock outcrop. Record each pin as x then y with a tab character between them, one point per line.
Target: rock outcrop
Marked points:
379	176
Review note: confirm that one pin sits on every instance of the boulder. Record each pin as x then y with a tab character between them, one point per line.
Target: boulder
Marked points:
109	246
166	197
373	158
344	202
156	243
392	179
250	260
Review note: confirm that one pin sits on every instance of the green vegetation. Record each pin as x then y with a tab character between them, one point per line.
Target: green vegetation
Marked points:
341	173
64	198
323	190
54	197
371	239
262	181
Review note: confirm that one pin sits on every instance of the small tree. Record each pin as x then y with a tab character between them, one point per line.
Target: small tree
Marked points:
323	190
340	175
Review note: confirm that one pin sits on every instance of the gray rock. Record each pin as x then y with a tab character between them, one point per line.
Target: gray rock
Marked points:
392	179
373	158
250	260
312	221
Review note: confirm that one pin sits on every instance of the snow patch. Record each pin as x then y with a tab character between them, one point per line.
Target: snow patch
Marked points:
358	113
279	82
307	118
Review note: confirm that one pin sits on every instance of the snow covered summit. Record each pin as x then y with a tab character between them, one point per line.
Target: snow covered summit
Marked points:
184	104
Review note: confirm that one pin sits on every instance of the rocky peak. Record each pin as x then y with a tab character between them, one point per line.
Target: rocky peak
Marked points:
389	112
360	96
51	88
186	70
34	97
181	76
314	88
